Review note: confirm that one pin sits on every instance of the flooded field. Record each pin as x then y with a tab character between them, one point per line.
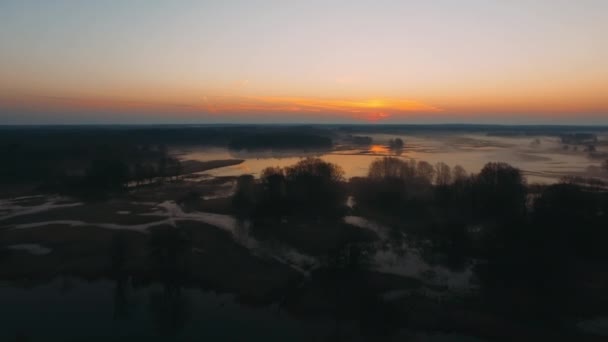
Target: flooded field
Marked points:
390	254
47	227
170	256
543	159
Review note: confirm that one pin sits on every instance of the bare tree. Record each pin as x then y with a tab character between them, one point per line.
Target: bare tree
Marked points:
443	174
458	173
388	168
425	171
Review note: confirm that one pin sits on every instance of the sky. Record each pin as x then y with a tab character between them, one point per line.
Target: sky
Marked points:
250	61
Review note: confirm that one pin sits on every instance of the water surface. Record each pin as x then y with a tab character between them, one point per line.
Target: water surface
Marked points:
542	158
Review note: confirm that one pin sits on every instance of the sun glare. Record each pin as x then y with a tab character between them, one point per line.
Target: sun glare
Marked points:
378	149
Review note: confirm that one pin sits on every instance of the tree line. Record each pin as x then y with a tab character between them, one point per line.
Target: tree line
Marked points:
484	213
89	169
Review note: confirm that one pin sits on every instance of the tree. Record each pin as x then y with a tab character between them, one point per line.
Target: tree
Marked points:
244	198
590	148
500	191
138	173
107	175
396	145
393	181
274	184
315	167
443	174
458	173
315	185
309	187
149	173
425	172
173	168
162	168
387	168
361	140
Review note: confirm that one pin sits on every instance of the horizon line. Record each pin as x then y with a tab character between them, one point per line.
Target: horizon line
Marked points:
603	125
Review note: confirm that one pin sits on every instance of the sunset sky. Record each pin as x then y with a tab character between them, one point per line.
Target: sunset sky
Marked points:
465	61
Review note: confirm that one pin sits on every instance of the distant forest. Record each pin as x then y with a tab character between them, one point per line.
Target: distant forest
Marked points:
280	140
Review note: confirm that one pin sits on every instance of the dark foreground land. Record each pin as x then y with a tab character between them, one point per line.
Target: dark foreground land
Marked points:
105	234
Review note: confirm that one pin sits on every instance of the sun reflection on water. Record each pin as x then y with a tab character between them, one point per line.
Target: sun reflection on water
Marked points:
379	149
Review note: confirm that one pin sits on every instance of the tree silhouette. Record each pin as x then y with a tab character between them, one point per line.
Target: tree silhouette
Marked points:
315	186
458	173
425	172
107	175
388	168
311	187
500	192
245	199
396	145
443	174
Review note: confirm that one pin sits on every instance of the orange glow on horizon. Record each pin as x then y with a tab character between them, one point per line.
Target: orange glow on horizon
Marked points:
372	110
277	108
306	61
